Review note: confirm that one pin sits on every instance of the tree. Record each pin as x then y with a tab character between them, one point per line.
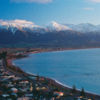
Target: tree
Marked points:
82	92
74	89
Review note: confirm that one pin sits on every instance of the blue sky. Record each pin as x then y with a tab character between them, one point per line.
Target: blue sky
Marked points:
42	12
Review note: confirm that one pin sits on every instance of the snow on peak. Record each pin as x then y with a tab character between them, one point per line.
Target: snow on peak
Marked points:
60	27
84	27
17	24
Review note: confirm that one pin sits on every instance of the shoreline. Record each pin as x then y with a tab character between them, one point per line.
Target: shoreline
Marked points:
54	81
61	49
66	86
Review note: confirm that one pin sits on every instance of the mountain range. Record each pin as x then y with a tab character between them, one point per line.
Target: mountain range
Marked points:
22	33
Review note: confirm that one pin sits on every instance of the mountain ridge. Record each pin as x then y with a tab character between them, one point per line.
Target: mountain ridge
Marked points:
24	25
56	36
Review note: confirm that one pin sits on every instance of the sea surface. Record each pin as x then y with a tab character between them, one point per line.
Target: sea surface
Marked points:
70	67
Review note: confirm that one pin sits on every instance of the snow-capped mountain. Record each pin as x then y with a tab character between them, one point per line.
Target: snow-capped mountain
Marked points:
84	27
15	25
55	26
23	25
28	26
22	33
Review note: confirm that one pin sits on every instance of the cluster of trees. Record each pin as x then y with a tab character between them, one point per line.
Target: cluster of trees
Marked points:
82	92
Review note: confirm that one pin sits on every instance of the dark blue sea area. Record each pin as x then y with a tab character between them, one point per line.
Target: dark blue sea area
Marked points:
71	67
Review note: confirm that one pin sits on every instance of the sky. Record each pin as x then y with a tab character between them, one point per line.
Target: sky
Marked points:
43	12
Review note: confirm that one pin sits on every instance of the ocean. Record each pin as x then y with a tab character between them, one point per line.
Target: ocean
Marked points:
71	67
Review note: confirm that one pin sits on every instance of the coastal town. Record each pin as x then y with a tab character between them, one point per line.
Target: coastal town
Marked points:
15	84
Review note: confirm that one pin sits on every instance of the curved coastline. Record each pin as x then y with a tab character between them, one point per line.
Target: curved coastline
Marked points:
71	87
56	82
66	87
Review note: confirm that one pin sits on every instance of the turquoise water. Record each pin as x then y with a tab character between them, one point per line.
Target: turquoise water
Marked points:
71	67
